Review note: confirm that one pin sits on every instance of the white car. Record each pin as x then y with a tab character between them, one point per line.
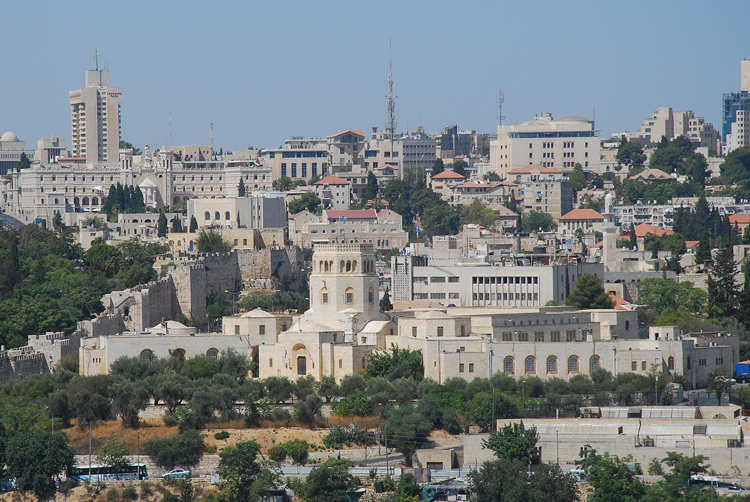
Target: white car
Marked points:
176	473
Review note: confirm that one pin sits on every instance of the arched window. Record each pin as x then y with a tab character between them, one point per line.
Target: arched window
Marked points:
595	363
94	201
348	266
227	216
371	296
217	216
213	354
341	364
552	364
349	296
270	362
670	363
508	365
85	201
326	266
207	216
324	296
354	266
342	265
530	365
573	364
147	355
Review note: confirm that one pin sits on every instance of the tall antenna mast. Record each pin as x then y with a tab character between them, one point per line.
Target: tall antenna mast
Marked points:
500	98
170	127
390	125
96	60
212	138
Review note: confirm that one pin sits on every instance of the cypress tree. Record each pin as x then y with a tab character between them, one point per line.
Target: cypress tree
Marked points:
723	293
161	225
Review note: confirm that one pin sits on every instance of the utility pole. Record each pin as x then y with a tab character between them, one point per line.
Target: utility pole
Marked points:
387	467
494	420
90	451
138	457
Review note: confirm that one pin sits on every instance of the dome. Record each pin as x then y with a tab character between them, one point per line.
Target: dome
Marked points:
9	136
609	198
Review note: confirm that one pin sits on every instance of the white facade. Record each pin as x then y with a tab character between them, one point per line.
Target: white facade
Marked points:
95	119
263	210
11	149
548	142
383	230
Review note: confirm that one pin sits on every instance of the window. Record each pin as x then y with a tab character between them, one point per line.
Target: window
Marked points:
507	336
530	365
595	363
643	365
236	329
508	365
413	331
147	355
452	279
634	366
227	216
523	337
349	296
213	354
207	216
539	336
364	340
270	362
370	296
471	367
439	331
670	363
341	364
627	324
325	297
552	364
554	336
461	367
573	364
262	329
437	279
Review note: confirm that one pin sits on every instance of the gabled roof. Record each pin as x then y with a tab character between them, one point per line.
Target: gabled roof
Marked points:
652	174
644	228
501	210
387	166
351	214
359	132
534	167
259	312
332	180
582	214
739	218
448	175
691	244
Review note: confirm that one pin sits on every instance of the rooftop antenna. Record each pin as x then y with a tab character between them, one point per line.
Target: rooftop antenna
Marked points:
96	60
212	137
500	98
390	125
170	127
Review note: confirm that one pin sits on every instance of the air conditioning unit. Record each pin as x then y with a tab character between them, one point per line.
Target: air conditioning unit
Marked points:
649	443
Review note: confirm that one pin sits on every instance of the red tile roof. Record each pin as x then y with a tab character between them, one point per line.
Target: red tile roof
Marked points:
352	214
740	218
532	167
644	228
652	174
332	180
691	244
582	214
448	175
386	166
361	132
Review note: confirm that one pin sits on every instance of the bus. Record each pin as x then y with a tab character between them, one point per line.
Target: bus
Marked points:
698	480
97	472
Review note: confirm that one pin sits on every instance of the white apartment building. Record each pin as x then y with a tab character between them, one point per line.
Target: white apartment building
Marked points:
670	124
258	211
736	113
483	285
298	159
383	230
548	142
405	151
333	192
543	189
95	119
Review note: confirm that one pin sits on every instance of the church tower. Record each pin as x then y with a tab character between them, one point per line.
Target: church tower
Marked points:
609	232
343	282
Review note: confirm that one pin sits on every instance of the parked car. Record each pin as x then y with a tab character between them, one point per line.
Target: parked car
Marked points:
743	378
176	473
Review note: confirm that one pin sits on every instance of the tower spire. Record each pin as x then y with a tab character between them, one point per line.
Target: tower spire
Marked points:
390	125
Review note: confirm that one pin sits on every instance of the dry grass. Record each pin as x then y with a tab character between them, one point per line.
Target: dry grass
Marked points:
79	438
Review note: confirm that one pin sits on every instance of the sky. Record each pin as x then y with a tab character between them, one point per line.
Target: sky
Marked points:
265	71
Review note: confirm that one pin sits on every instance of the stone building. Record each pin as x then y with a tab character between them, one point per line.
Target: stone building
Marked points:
382	229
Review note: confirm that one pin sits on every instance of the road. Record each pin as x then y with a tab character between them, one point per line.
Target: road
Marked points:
10	222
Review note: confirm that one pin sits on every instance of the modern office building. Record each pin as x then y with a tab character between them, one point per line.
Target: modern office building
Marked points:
548	142
95	119
735	128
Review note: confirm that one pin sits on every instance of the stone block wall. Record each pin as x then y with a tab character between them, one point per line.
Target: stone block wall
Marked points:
19	363
55	346
105	325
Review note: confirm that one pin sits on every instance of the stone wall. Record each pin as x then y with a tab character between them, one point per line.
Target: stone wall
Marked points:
55	346
19	363
106	324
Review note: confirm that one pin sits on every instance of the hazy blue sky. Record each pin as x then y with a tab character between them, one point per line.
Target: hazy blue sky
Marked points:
264	71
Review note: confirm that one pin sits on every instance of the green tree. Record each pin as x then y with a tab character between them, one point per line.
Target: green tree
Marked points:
610	477
57	222
630	154
459	167
437	167
589	294
193	224
183	450
395	363
577	178
491	176
125	145
278	389
718	382
407	431
246	479
515	442
128	400
328	388
37	460
210	241
308	410
177	224
633	239
114	453
24	163
666	296
385	302
329	482
241	188
535	220
478	213
371	192
736	165
704	249
161	225
723	292
309	201
283	184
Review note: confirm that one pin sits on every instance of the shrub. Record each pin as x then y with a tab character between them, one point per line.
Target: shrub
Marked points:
113	495
170	497
130	493
146	489
211	448
170	420
221	435
388	484
184	450
297	450
277	453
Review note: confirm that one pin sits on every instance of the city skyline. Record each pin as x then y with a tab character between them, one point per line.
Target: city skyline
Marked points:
263	73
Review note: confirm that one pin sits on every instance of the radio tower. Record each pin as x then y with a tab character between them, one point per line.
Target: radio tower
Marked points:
500	100
390	122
